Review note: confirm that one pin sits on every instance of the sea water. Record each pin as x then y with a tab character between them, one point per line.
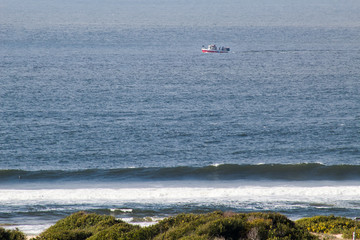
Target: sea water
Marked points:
110	107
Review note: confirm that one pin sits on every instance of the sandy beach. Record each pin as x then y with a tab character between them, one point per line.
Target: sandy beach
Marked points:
28	237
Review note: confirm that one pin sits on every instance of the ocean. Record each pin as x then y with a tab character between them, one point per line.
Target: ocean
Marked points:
111	107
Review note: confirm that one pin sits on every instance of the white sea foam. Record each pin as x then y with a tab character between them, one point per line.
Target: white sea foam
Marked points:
216	164
30	229
251	197
325	194
125	210
141	223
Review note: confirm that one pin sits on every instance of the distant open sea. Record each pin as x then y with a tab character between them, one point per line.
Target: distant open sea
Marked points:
111	107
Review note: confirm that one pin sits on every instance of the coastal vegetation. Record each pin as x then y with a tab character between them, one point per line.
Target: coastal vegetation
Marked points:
329	225
11	234
211	226
215	226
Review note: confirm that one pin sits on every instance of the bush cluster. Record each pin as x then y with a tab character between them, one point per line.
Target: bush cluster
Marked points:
211	226
329	224
81	226
11	234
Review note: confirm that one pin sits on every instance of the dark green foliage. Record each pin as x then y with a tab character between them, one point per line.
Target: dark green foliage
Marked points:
230	228
79	226
66	235
211	226
117	231
218	225
275	226
11	234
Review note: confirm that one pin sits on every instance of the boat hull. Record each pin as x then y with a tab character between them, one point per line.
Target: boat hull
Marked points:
214	51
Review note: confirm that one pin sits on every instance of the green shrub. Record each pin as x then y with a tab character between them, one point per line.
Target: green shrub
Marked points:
218	226
228	228
211	226
326	224
11	234
67	235
78	226
329	224
114	232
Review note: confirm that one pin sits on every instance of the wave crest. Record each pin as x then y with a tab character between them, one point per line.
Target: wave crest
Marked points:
288	172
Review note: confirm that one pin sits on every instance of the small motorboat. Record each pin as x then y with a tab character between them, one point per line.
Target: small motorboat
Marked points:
214	49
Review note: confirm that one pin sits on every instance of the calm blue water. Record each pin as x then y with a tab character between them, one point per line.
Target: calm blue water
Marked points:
114	110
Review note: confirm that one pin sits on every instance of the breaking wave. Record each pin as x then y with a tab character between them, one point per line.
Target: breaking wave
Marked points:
286	172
